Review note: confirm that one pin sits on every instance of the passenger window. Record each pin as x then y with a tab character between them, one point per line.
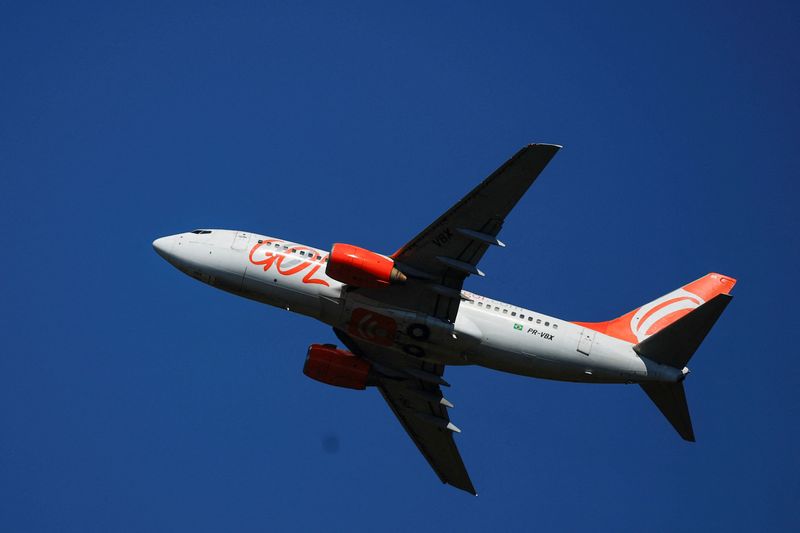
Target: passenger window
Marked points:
514	313
505	311
521	316
555	326
496	308
538	320
547	323
530	319
480	304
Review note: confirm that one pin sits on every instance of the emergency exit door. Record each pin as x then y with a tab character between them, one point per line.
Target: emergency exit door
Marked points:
586	341
240	240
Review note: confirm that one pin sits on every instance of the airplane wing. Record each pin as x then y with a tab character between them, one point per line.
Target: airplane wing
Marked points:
411	387
438	260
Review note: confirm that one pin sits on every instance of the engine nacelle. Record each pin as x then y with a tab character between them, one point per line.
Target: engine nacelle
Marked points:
361	268
336	367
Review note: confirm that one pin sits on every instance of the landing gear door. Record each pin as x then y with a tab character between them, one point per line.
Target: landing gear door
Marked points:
586	340
240	240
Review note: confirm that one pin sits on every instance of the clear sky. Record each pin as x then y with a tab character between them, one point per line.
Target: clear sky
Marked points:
133	398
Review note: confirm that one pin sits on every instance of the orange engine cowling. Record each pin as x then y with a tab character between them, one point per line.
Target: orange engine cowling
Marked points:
336	367
361	268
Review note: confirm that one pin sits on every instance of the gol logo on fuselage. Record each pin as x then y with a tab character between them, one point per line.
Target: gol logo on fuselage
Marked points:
372	326
288	262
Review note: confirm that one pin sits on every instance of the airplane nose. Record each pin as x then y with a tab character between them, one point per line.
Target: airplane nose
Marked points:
162	246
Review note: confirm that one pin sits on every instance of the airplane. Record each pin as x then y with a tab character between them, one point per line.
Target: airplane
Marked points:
402	318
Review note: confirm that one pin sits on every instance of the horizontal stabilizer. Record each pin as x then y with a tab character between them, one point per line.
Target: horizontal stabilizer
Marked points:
671	401
675	344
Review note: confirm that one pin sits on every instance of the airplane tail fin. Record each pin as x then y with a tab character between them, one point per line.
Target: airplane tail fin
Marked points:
673	346
647	320
668	331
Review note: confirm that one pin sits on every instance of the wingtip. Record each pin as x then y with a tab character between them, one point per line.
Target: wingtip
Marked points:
549	145
468	488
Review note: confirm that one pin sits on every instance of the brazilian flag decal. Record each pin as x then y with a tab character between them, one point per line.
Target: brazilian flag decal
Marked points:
518	327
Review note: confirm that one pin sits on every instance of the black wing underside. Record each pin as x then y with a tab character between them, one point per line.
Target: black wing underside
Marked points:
439	259
413	393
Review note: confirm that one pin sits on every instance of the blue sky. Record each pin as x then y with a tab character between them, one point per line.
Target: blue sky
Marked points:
133	398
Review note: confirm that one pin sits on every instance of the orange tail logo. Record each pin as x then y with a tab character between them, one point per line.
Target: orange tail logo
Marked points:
659	313
637	325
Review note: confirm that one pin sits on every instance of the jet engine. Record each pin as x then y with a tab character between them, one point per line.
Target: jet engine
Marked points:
325	363
361	268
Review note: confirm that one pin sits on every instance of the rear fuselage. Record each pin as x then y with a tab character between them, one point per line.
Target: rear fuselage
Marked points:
486	332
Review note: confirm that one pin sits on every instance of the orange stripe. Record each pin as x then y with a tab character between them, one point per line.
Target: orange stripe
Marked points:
663	305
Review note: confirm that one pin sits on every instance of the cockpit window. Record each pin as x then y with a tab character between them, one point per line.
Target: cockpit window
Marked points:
201	231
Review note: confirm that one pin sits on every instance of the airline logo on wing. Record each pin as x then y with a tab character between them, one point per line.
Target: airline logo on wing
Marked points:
372	326
652	317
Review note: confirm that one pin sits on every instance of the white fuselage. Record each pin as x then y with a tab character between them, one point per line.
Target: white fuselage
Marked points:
486	332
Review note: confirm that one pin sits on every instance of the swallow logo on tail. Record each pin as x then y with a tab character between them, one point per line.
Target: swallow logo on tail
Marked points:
652	317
